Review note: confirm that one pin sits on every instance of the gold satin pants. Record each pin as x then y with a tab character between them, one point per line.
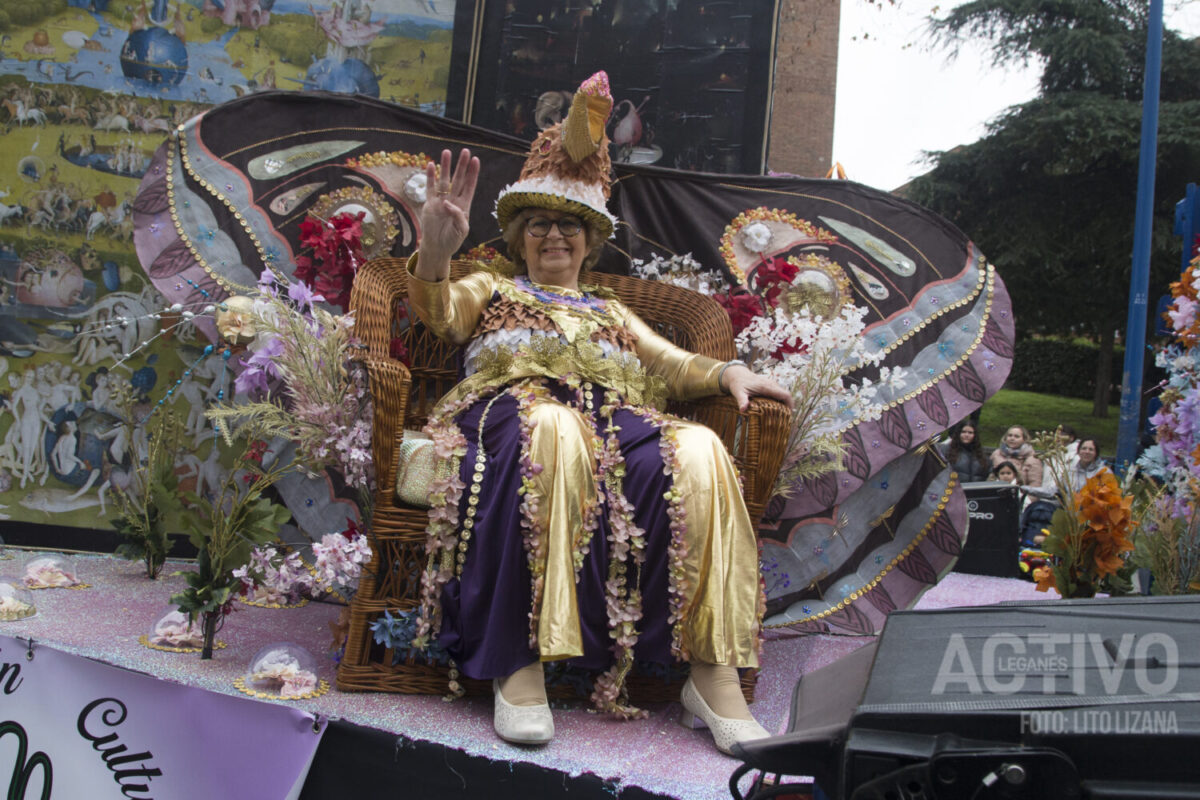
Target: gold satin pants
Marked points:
720	622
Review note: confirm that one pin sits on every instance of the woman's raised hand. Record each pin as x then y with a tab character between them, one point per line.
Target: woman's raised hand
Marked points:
446	216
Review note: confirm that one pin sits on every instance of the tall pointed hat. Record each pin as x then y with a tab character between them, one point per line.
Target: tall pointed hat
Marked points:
568	168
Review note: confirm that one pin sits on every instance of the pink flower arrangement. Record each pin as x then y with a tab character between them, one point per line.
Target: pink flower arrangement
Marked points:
49	573
303	386
175	630
340	558
275	577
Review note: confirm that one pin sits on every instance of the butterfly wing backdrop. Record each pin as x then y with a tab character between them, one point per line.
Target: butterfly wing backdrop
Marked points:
224	197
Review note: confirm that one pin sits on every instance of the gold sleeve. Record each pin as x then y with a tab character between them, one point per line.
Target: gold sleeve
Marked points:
451	309
688	375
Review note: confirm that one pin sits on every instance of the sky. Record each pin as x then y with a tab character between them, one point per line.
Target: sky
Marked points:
898	96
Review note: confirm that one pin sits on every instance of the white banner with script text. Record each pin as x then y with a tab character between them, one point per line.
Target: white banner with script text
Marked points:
75	728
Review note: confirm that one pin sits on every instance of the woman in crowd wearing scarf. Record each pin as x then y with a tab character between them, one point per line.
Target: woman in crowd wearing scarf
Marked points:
1015	447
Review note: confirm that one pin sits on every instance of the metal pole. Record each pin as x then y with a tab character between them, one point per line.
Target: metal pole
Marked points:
1139	282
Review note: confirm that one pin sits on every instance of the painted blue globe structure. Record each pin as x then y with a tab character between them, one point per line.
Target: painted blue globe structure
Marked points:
154	55
350	76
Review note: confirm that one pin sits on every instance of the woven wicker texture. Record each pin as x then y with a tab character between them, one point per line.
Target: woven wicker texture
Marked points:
403	399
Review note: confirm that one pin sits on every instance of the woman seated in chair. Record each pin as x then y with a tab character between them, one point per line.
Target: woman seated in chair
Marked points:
584	523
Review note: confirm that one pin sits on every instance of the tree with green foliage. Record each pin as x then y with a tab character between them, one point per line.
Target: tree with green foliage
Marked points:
19	13
294	37
1049	192
149	507
240	517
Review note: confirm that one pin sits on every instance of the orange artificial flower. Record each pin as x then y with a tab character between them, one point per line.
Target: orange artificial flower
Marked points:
1107	515
1045	579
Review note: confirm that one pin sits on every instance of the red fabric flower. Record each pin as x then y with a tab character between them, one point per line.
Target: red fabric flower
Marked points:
773	276
786	349
256	450
336	246
741	306
398	351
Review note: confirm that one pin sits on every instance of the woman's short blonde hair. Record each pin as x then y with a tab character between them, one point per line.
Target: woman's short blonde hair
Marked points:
513	236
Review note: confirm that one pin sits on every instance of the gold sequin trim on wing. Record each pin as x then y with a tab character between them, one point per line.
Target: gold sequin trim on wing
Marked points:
871	584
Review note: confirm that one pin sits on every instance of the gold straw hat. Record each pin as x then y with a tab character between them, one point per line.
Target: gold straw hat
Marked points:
568	168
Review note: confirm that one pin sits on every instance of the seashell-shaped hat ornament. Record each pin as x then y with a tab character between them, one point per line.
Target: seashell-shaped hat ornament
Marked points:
568	168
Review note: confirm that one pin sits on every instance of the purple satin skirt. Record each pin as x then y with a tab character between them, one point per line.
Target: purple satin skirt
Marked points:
485	613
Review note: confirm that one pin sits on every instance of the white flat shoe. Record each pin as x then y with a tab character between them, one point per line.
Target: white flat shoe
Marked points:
521	724
725	731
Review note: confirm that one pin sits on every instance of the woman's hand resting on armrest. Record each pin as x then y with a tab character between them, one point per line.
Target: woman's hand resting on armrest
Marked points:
743	383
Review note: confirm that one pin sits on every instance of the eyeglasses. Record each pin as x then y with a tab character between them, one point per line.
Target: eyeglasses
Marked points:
540	226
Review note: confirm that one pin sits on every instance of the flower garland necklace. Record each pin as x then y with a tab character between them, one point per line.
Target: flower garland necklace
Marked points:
582	301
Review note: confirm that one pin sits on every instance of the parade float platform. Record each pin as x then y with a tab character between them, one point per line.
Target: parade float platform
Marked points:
422	746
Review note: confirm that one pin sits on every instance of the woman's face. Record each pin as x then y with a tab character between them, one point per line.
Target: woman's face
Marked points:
967	434
1087	452
1014	438
1006	474
552	255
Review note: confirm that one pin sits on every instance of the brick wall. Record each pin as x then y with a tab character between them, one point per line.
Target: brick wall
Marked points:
801	134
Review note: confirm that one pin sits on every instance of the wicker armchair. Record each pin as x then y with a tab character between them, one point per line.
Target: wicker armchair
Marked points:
404	399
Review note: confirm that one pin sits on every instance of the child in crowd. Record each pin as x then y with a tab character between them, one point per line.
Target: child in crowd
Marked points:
1005	471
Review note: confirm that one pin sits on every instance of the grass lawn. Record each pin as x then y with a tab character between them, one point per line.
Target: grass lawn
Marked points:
1045	412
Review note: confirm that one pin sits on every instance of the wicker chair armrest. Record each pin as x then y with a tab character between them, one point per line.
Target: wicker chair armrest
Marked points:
768	426
379	287
757	438
390	382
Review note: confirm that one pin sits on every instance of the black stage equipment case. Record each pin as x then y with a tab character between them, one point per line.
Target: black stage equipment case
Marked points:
1095	698
994	511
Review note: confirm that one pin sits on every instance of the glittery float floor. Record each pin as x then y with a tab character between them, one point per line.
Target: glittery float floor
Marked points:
658	755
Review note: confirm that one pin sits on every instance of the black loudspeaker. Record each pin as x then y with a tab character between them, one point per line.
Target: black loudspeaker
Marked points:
991	548
1022	701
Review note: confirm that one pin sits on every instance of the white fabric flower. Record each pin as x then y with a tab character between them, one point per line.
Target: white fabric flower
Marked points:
416	187
756	237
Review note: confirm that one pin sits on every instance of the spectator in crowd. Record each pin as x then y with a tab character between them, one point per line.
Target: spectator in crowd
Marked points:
964	455
1015	447
1087	464
1078	471
1005	471
1051	494
1069	439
